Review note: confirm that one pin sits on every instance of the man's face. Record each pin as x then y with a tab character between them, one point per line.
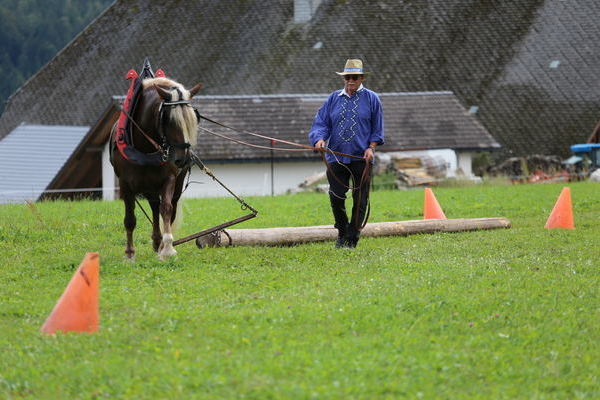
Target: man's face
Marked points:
353	82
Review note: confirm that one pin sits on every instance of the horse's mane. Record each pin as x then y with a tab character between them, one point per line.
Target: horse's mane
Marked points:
164	82
183	117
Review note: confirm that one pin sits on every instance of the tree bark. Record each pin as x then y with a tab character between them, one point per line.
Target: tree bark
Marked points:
297	235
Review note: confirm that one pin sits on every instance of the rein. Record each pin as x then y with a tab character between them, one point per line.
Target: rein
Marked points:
303	147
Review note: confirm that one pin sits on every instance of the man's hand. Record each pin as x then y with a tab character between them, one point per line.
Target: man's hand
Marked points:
369	154
320	144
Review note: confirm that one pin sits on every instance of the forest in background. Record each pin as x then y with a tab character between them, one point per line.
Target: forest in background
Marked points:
34	31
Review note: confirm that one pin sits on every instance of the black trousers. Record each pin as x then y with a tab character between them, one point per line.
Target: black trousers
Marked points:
340	177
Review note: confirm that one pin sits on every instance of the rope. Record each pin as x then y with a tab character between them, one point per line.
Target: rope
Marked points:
304	146
146	214
249	144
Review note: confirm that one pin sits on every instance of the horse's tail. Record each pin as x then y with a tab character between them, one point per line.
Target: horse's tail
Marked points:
178	218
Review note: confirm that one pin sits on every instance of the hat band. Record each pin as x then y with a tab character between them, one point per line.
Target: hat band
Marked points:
359	70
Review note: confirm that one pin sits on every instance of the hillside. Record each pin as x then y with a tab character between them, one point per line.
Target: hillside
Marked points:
34	31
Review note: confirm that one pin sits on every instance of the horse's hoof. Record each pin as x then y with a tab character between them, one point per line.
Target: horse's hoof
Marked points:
166	254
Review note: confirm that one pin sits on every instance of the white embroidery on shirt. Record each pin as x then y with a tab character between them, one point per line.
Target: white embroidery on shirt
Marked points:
349	112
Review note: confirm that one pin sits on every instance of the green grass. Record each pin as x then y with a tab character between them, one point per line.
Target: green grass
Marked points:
502	314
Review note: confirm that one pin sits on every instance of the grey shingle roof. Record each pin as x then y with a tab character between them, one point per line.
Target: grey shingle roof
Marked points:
32	156
495	55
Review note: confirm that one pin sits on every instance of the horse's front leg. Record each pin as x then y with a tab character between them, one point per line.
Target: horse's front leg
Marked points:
129	221
166	249
156	235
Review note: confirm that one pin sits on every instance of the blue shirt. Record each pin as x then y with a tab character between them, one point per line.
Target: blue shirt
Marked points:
348	123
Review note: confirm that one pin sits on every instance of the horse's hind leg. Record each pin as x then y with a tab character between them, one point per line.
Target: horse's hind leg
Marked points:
129	222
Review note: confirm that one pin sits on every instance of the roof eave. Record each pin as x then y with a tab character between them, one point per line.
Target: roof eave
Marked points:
97	135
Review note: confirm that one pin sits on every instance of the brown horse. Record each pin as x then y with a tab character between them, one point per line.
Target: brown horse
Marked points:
162	123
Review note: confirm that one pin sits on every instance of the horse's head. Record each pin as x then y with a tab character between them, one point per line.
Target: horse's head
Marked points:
175	119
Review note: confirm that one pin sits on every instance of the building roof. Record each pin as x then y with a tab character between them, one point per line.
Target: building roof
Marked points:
528	66
31	157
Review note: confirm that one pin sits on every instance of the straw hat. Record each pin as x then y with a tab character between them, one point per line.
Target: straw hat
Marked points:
353	67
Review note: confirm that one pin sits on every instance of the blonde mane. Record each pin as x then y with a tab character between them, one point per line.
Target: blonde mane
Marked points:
183	117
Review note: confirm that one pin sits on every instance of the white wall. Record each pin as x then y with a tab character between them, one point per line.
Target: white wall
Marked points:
108	175
465	163
251	178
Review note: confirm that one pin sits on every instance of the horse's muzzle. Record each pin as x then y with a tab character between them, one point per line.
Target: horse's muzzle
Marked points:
180	154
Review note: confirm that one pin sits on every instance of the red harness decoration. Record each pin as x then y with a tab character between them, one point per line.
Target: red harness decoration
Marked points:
122	138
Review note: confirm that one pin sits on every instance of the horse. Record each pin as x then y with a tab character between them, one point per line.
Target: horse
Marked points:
162	124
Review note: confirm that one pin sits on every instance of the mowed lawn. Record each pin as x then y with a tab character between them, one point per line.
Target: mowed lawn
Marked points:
499	314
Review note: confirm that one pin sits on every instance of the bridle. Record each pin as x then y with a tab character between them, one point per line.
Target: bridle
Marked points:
165	145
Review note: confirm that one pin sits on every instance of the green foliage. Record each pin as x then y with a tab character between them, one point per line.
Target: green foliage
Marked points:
500	314
33	31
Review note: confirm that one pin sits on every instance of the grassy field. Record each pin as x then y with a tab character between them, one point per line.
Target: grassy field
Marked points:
500	314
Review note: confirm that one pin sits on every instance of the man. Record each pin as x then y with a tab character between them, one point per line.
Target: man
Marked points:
350	122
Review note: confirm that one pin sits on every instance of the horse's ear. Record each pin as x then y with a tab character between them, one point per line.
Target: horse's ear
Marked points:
194	91
165	95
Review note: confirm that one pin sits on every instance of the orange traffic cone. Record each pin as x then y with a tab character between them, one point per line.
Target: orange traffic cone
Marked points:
562	213
77	309
431	207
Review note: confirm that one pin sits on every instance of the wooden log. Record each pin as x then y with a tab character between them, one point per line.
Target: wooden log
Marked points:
297	235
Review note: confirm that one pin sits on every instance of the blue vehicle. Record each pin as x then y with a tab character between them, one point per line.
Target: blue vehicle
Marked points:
589	150
585	158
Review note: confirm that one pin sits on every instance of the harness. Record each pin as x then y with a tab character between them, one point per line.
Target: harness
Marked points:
123	137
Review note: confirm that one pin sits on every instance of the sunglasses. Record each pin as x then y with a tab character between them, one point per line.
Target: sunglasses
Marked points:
353	77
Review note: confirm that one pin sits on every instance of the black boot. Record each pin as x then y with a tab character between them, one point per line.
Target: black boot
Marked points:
341	240
352	236
338	207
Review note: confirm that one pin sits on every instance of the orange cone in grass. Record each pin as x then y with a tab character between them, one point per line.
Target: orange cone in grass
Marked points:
431	207
562	213
77	309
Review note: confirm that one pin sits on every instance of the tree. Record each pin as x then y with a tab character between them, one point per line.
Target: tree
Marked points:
33	31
